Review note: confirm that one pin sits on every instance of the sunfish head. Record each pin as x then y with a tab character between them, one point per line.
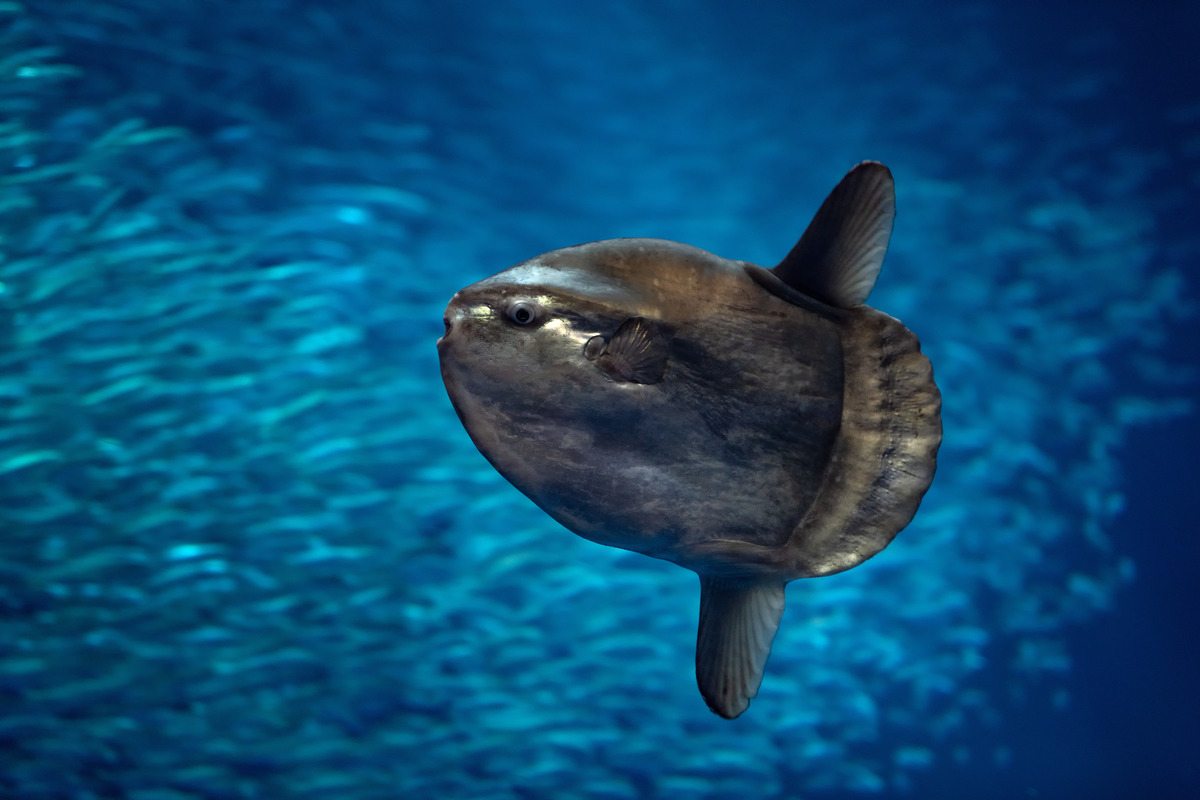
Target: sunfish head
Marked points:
515	362
559	370
515	354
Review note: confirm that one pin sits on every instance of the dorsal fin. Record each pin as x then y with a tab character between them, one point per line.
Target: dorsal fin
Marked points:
838	258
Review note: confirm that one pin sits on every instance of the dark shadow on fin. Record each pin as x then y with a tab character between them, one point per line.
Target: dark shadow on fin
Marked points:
772	283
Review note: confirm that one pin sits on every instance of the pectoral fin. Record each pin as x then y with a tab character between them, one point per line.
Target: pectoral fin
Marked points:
636	352
738	620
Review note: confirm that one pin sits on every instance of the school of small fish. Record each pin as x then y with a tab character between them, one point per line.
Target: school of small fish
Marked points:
247	550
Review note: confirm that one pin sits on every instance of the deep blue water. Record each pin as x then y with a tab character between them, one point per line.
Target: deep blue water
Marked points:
248	551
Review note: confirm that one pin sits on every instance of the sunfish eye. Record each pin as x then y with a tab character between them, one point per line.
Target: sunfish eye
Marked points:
523	312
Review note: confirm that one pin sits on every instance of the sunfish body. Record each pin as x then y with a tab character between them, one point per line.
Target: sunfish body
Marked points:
753	425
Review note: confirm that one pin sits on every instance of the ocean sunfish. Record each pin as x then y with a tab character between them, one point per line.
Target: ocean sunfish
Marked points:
753	425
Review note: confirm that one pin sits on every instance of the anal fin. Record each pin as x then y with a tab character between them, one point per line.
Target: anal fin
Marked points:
738	620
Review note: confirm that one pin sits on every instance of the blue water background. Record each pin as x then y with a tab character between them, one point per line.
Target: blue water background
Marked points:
248	551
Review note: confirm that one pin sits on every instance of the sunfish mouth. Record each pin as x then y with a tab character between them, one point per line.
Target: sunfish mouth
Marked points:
452	315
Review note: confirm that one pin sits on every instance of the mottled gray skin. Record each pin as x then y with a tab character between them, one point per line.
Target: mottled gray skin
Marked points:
775	443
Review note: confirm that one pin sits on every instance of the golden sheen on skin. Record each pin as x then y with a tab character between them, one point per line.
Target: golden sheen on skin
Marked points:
753	425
